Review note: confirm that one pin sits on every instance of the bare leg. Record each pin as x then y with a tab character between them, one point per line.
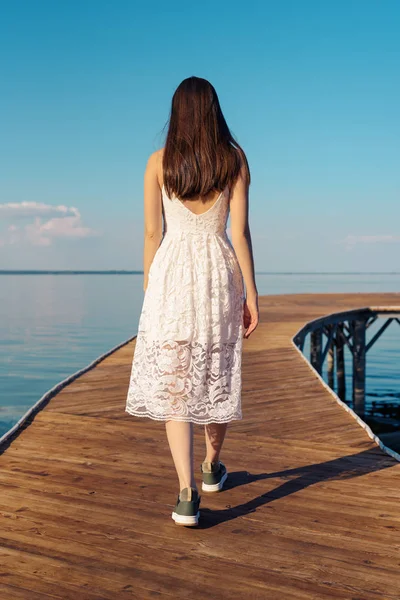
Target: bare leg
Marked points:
180	439
215	435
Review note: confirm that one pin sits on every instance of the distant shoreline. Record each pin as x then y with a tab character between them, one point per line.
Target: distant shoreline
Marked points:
69	272
125	272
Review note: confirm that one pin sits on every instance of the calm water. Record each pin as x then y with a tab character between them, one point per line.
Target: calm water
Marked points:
53	325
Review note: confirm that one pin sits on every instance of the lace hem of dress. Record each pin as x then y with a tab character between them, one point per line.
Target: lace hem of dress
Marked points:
138	413
186	381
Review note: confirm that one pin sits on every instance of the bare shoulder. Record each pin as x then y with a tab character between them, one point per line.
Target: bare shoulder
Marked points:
154	164
156	157
244	178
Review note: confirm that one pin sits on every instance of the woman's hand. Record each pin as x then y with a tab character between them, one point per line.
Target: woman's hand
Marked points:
250	315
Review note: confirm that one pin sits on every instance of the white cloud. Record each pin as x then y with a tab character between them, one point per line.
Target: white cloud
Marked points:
33	209
351	240
64	222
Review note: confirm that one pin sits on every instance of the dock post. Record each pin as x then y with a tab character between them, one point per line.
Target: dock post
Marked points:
359	353
340	367
316	349
331	360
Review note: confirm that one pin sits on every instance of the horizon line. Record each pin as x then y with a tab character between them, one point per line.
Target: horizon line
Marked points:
135	272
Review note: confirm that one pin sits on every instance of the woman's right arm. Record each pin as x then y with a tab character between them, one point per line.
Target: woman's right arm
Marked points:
153	221
241	242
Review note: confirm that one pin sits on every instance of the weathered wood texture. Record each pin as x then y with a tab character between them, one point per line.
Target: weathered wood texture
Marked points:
311	509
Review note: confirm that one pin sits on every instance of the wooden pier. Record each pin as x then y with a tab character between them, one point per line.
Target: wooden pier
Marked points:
311	508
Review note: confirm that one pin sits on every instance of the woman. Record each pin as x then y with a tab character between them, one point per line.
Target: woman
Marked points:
187	362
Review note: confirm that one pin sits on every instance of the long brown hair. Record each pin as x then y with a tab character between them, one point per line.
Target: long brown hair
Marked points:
200	153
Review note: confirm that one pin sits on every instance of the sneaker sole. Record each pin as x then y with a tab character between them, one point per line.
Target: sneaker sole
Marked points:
186	519
214	487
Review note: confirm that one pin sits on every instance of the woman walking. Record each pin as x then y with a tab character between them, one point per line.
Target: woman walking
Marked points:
200	296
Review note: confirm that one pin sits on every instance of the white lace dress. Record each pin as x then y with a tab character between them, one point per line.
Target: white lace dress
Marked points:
188	353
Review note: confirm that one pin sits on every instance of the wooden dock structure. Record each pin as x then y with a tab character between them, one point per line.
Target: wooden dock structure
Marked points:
346	328
310	511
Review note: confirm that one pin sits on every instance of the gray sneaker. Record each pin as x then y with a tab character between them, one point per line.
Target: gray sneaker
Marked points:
187	507
214	476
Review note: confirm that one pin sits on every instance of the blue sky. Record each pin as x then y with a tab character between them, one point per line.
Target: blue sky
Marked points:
310	89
